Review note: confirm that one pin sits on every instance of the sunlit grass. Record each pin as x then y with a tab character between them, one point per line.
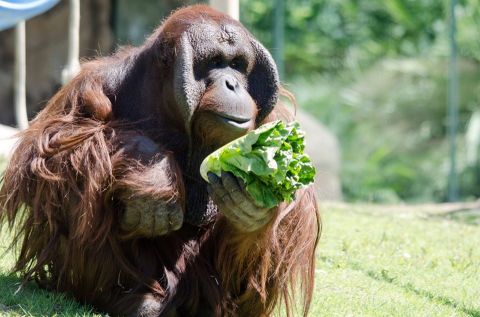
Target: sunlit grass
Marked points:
397	264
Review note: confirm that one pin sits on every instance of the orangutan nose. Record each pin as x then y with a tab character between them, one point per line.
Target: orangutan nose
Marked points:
231	83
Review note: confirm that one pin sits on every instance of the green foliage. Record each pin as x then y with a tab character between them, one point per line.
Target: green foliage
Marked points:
270	160
391	123
327	36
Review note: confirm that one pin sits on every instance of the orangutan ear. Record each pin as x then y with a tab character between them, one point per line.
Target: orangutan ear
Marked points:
263	81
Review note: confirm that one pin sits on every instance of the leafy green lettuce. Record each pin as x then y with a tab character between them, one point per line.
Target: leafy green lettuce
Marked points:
270	160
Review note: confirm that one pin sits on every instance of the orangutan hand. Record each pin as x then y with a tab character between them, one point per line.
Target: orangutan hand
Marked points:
150	218
229	194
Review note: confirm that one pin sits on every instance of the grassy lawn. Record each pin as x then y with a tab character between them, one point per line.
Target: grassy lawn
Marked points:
372	261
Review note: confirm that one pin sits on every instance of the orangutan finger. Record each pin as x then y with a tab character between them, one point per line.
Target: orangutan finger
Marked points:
230	183
175	216
213	179
220	196
228	212
217	186
238	195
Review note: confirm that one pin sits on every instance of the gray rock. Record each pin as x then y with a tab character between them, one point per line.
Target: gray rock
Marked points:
323	148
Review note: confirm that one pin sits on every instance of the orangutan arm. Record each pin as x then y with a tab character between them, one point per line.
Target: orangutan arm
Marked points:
269	265
149	186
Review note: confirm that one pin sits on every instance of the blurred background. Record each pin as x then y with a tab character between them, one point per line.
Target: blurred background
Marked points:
372	79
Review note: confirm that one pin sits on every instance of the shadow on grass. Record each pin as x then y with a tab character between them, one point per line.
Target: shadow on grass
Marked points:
383	276
466	216
30	300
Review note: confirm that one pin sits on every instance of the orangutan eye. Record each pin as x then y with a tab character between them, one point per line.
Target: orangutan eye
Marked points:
238	64
216	62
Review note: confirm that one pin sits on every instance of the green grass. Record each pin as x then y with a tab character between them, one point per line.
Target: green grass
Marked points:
372	261
398	263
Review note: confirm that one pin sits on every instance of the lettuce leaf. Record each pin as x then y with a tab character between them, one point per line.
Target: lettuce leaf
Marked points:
270	160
